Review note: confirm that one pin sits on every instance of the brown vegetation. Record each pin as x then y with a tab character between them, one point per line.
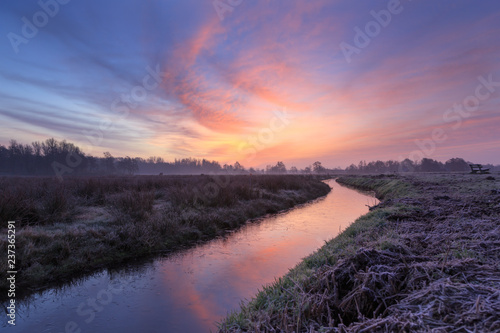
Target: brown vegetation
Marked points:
64	229
425	259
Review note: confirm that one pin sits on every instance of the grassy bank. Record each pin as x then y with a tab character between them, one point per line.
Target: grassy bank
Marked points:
64	230
426	258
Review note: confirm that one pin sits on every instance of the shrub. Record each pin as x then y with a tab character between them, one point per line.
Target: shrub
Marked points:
136	204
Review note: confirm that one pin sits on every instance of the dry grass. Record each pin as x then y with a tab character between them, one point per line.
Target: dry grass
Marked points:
68	229
425	260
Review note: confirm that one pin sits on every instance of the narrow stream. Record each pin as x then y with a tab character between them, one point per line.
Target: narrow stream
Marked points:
192	290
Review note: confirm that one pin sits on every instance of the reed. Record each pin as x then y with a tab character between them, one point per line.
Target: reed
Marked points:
65	230
425	259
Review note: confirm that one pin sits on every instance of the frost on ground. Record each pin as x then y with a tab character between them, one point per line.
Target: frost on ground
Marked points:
427	258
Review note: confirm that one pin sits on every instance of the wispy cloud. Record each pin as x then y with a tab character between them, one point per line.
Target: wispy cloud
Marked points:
222	80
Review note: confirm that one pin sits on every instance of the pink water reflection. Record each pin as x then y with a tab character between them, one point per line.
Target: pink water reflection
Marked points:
216	276
192	290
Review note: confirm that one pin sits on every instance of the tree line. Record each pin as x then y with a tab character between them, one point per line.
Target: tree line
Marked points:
52	157
425	165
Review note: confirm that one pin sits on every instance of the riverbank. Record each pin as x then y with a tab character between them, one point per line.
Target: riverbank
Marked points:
425	258
69	229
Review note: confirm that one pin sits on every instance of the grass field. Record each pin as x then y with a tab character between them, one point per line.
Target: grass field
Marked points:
425	259
67	229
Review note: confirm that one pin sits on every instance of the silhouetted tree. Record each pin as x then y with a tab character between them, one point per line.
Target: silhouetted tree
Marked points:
318	168
392	166
39	158
109	162
352	169
127	165
456	164
407	165
430	165
278	168
4	159
238	167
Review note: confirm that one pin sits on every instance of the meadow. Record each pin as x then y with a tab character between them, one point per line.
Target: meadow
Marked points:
424	259
71	228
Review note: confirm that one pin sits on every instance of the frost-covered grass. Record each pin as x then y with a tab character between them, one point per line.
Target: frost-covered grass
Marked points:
82	224
424	259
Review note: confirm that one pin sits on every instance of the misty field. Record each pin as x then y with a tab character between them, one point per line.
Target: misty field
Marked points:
425	259
66	229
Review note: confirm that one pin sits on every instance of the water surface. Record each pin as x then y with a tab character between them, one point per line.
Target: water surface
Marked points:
191	290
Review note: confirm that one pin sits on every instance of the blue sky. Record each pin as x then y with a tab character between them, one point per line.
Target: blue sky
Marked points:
270	81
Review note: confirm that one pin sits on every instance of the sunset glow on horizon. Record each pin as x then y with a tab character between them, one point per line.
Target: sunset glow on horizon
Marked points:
255	81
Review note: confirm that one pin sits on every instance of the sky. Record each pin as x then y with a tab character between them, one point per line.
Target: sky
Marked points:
255	81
